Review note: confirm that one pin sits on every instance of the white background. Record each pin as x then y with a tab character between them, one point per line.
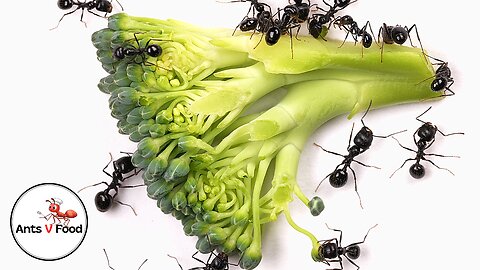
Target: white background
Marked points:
56	127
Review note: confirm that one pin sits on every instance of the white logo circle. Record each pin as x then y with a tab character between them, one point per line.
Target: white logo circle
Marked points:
49	221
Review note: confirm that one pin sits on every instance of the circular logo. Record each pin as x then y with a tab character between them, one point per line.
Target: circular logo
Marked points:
49	221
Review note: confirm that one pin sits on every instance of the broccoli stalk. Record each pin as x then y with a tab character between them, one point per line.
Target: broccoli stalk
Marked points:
270	137
205	155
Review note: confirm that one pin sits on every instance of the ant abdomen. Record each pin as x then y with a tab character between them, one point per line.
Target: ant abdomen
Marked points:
338	178
104	6
103	201
64	4
353	252
417	171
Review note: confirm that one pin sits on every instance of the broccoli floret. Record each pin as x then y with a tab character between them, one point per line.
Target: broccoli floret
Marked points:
204	154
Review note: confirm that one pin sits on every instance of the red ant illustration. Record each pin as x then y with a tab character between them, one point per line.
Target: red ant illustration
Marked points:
54	208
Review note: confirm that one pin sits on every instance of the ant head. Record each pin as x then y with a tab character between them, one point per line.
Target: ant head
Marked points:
417	170
439	83
344	20
427	132
273	35
53	207
341	3
154	50
103	201
323	19
290	10
119	53
363	138
220	261
315	27
353	252
104	6
399	34
366	40
328	250
338	178
64	4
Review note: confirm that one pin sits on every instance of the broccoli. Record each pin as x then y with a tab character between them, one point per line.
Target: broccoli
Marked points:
204	153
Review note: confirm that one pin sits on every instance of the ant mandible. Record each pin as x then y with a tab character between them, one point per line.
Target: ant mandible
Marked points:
99	5
426	137
220	262
331	250
121	166
54	208
396	34
108	261
361	143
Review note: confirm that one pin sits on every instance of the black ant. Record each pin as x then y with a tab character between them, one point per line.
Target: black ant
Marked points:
261	15
396	34
331	250
108	261
426	137
317	21
361	143
442	78
351	27
130	51
220	262
99	5
121	166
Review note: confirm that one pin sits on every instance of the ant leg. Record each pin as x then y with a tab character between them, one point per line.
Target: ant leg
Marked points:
437	155
438	167
356	187
175	260
386	136
383	43
93	186
322	181
454	133
410	159
111	159
193	256
335	239
404	146
449	90
418	37
128	205
365	165
68	13
330	152
122	10
418	117
371	31
133	186
344	40
108	261
352	262
142	264
364	238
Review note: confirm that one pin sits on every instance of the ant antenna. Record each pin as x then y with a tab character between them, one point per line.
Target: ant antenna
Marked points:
443	134
108	261
366	111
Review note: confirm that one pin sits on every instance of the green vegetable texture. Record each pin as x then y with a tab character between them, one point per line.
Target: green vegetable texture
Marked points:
205	152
